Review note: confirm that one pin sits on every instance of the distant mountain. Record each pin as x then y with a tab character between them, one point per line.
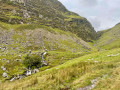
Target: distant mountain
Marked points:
46	12
109	39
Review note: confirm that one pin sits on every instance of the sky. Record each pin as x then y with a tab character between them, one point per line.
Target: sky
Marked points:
103	14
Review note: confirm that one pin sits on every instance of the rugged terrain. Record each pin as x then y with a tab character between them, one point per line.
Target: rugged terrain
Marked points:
73	55
46	12
97	71
36	27
17	41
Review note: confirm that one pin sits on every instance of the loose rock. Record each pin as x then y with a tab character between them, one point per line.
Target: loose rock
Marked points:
5	75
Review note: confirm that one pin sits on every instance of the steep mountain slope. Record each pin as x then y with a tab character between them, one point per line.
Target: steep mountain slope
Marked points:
109	39
39	37
47	30
17	40
34	27
46	12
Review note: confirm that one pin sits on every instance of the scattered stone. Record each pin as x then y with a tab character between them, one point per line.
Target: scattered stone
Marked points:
12	79
28	73
19	55
113	55
8	61
18	77
3	68
94	82
5	75
45	64
91	59
18	60
40	16
96	61
26	14
35	71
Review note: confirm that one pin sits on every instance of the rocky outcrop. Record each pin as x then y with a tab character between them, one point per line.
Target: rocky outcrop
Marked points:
26	74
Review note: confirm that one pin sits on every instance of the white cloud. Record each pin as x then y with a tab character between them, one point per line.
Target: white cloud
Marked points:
95	21
88	3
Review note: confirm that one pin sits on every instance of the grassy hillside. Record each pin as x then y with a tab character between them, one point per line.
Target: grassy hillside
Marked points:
109	39
17	40
43	47
46	12
99	69
40	26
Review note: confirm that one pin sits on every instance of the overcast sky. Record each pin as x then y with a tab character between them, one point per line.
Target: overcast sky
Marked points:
103	14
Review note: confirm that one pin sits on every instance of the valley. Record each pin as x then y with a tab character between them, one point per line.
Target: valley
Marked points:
43	46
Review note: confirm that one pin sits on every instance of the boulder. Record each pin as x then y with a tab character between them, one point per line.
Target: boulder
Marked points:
5	75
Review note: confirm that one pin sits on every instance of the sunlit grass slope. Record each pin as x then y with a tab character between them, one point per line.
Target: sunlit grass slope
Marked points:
74	74
60	46
109	39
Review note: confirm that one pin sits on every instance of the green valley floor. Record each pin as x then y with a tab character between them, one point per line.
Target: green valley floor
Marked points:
96	71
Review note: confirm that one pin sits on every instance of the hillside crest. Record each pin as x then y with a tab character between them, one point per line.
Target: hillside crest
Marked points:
46	12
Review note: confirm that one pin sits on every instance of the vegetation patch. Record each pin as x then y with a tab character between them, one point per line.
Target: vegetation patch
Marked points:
32	61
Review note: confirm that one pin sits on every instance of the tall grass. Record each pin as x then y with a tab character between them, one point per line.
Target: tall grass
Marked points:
74	74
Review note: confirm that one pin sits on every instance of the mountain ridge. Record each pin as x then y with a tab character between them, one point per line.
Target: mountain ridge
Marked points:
47	12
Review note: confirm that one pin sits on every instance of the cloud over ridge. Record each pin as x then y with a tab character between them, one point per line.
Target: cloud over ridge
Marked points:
102	14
